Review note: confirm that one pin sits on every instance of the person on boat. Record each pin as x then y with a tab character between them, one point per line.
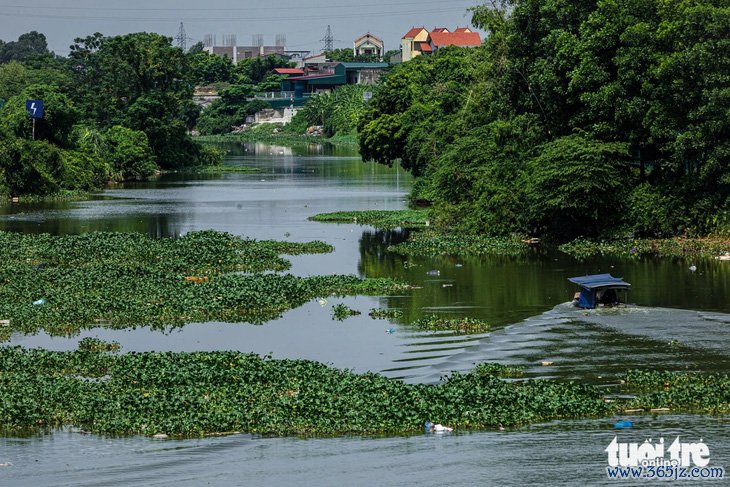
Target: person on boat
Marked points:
609	298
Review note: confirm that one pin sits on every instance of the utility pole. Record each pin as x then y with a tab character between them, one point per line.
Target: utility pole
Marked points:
329	40
182	38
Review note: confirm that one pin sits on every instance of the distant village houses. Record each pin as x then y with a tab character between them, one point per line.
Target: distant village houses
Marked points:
418	41
369	45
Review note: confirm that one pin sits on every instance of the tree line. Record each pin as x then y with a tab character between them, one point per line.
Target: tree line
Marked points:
116	108
594	117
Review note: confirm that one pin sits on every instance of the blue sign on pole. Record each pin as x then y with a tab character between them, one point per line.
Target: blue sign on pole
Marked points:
34	108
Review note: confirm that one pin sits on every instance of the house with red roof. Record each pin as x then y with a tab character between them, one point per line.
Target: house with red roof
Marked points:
418	41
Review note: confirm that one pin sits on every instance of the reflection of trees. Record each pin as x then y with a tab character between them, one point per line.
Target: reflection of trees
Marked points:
160	225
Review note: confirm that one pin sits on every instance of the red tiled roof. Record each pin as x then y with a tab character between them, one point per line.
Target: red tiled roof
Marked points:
424	47
413	32
288	71
439	29
467	39
462	29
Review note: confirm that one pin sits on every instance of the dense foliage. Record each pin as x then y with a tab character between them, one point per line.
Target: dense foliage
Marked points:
64	283
595	118
117	108
338	111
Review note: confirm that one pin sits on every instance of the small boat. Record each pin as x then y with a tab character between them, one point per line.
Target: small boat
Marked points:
599	290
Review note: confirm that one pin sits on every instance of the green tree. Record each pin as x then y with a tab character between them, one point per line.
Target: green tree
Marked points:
59	117
139	81
28	45
209	68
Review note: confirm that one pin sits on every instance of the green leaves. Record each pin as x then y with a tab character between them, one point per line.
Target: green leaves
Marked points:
192	394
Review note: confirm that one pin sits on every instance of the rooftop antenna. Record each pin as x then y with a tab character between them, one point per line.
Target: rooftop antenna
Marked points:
329	40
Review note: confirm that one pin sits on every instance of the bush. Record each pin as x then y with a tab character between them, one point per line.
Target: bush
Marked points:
128	151
30	167
576	186
83	171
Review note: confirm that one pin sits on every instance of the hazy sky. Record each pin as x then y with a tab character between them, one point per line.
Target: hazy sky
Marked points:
304	22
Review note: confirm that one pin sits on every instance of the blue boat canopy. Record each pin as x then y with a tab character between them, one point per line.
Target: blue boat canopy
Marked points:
597	281
598	288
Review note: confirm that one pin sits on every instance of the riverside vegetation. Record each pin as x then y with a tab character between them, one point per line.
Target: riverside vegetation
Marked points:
64	283
599	119
201	393
117	108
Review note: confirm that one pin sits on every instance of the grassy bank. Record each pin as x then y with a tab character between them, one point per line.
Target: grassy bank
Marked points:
431	243
64	283
704	247
201	393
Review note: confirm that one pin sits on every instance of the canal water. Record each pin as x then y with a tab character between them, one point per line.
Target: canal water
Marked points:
680	320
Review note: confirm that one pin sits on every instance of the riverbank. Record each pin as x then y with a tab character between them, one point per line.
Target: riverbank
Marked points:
274	134
430	242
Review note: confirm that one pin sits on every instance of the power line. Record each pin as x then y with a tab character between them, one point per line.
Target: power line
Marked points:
213	9
229	19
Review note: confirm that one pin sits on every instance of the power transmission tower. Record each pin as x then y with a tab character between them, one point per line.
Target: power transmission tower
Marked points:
182	38
329	40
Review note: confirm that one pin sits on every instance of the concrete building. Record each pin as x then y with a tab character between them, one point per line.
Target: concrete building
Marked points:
237	53
411	41
369	45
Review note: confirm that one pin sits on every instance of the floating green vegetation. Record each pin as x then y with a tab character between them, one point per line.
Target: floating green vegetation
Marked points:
90	344
377	218
385	314
432	244
62	284
462	326
219	169
679	392
61	195
341	312
670	247
193	394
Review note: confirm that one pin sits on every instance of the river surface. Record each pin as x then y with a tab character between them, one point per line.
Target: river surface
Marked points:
680	320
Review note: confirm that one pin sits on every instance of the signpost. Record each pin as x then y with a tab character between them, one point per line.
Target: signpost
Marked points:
35	110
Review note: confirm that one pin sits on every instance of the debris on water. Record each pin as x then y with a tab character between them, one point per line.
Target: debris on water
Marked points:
429	427
322	302
287	234
659	410
40	302
459	265
433	273
447	285
545	363
160	436
623	424
390	331
6	464
633	410
693	267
